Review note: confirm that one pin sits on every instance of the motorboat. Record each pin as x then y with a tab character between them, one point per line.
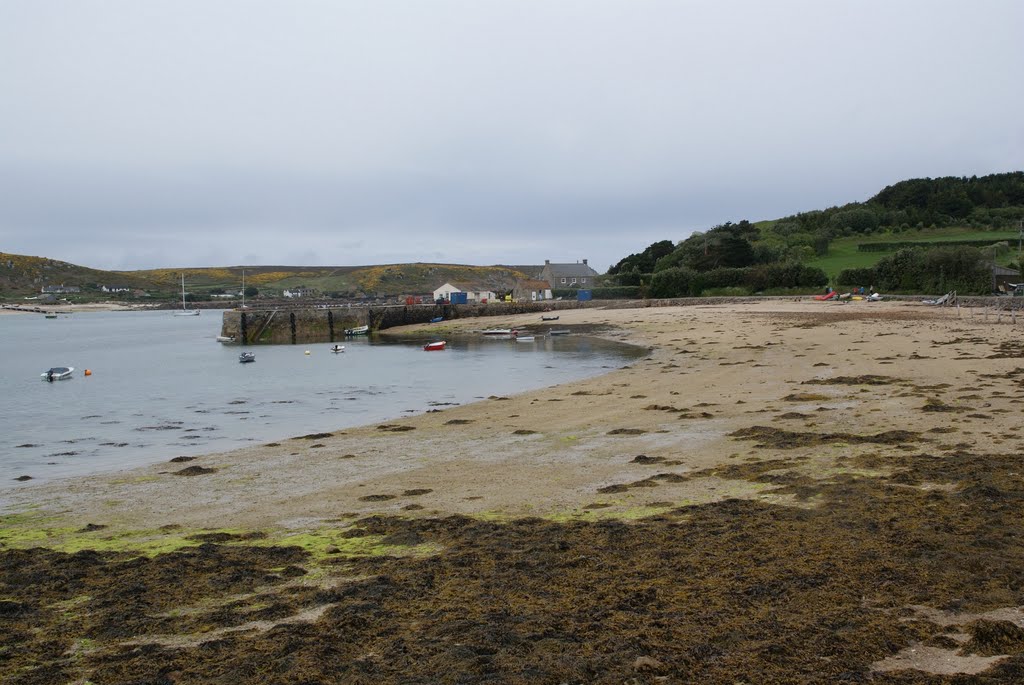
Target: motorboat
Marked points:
549	318
437	319
358	330
525	338
434	346
58	373
225	338
559	332
338	348
497	331
246	357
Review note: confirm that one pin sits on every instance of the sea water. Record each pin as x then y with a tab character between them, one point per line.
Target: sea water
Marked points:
161	386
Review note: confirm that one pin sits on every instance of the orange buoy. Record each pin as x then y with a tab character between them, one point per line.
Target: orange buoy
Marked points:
88	372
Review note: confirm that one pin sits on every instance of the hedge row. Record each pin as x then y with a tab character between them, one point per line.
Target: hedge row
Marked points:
909	244
684	282
621	292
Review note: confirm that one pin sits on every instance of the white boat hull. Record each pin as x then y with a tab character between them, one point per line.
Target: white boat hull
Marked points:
58	373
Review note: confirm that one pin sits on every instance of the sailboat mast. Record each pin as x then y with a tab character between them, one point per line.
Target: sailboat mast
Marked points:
243	288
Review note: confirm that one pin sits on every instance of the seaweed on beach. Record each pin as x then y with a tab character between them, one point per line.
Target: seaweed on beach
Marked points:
720	593
777	438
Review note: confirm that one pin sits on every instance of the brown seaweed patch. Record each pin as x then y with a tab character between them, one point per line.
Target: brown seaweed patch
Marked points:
179	460
376	498
395	428
783	439
523	431
644	459
662	407
220	536
868	379
314	436
626	431
993	638
458	422
933	404
194	471
805	397
416	492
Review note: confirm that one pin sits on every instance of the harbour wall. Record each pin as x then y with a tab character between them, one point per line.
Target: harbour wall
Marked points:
323	323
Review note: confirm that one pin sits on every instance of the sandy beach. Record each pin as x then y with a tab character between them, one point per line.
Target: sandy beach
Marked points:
783	491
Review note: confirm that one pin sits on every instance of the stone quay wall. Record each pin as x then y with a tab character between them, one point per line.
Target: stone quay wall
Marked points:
313	324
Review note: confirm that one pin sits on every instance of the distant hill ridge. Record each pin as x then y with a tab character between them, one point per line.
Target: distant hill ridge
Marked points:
22	276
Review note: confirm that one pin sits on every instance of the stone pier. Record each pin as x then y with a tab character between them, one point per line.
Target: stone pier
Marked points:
324	323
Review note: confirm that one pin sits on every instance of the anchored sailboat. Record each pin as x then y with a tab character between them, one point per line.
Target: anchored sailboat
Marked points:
185	311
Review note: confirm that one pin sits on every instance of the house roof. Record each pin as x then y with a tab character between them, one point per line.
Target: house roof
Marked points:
467	287
1004	271
577	270
533	284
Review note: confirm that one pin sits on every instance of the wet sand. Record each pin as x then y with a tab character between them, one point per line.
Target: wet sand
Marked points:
786	491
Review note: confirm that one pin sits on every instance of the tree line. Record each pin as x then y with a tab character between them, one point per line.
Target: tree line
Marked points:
771	255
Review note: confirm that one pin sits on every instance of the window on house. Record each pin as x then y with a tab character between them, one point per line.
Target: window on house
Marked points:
574	281
583	280
563	280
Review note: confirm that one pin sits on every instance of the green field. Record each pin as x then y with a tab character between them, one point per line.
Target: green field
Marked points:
843	254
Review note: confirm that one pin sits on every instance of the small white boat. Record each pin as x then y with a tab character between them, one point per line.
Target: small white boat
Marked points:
225	338
246	357
338	348
359	330
497	331
525	338
558	332
434	346
57	373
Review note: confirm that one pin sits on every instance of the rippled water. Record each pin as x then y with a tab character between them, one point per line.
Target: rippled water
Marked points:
162	387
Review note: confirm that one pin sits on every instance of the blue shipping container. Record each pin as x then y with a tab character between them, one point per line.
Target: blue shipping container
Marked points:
583	295
459	298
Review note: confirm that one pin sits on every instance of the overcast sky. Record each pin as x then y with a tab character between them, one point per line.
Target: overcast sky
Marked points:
162	133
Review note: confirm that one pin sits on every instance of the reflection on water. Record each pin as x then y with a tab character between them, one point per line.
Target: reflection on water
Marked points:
162	387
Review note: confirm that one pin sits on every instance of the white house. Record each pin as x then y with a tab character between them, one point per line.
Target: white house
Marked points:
474	293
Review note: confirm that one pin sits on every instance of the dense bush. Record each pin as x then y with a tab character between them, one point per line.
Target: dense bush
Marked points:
676	282
622	292
853	278
963	269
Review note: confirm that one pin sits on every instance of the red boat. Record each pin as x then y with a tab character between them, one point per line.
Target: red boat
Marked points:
434	346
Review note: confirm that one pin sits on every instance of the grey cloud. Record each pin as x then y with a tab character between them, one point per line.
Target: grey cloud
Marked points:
506	131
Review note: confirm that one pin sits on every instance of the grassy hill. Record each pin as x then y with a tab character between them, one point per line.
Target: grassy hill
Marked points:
843	253
23	276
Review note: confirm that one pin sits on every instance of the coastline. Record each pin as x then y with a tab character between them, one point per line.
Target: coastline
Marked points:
68	308
797	416
564	433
